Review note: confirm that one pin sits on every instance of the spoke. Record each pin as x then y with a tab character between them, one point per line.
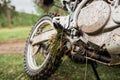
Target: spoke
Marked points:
44	49
35	50
38	43
43	37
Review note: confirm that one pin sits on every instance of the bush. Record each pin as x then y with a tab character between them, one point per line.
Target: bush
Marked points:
3	20
19	19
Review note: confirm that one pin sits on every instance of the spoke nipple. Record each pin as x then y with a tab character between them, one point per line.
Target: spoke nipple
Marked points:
30	41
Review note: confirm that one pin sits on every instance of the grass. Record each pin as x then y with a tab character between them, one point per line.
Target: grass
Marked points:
19	33
11	68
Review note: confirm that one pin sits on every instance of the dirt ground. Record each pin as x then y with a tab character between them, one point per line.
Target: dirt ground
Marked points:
12	47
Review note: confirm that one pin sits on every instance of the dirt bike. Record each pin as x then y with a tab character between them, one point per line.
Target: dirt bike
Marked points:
90	33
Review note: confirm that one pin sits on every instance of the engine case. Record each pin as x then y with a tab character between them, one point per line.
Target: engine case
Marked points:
101	23
93	17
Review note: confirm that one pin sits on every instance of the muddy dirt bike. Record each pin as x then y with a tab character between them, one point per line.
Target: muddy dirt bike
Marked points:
89	34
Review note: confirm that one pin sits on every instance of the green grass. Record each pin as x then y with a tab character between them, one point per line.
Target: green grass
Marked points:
19	33
11	68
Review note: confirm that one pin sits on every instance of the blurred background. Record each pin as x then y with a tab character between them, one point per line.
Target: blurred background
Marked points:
15	13
17	17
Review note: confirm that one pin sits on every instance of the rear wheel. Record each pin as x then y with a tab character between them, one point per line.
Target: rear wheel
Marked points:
39	60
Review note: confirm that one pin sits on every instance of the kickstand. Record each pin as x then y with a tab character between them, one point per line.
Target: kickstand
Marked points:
94	69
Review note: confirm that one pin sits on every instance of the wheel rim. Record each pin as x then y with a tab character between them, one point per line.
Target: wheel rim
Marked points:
38	55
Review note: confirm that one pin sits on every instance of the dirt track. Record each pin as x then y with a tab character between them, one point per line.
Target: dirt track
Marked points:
12	47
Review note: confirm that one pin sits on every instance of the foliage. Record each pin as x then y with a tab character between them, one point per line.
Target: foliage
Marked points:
44	4
3	20
6	8
19	19
9	17
4	4
24	19
53	8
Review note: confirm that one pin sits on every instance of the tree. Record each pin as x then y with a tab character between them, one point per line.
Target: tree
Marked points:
47	6
5	8
44	4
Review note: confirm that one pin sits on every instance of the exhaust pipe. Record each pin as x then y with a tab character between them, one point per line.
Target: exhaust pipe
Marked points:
98	57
